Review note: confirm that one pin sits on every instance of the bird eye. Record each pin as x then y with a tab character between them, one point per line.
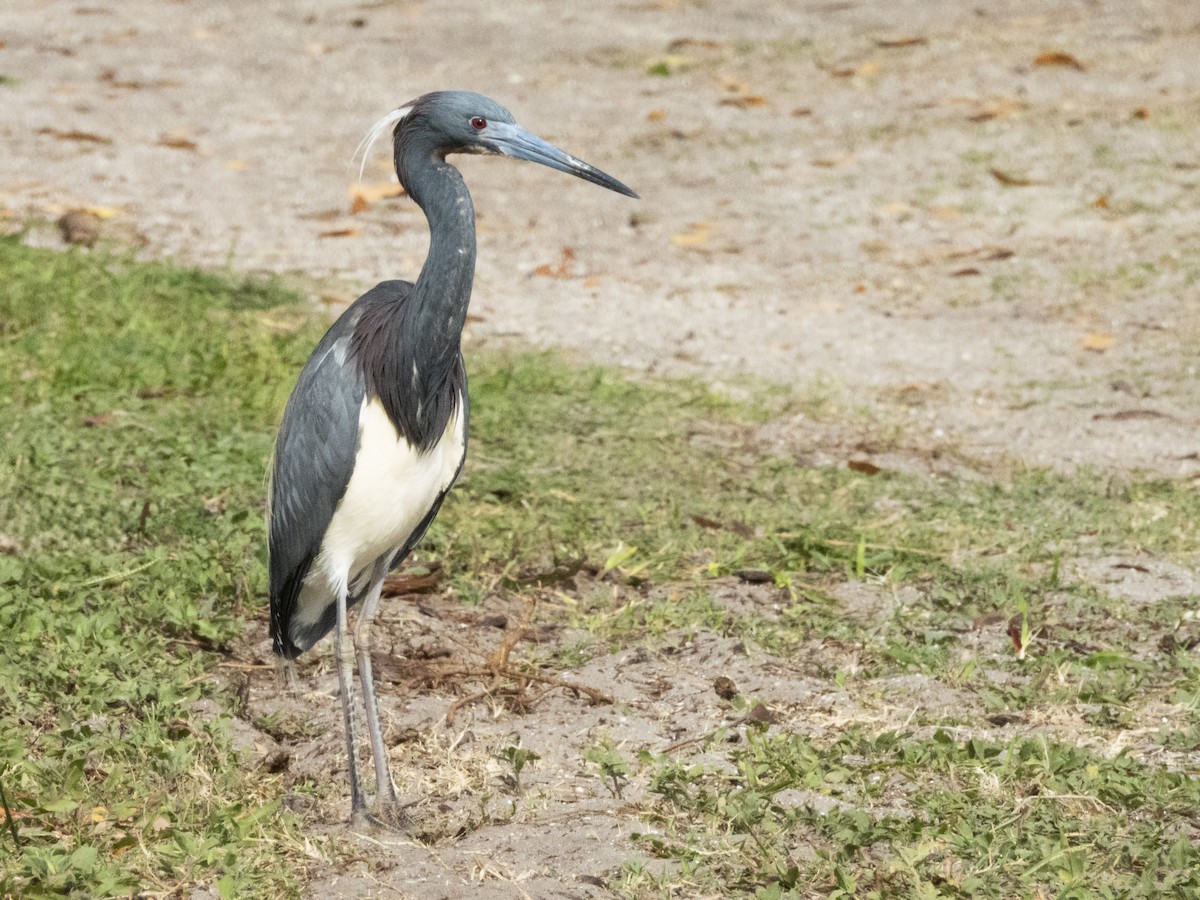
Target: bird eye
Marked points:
479	123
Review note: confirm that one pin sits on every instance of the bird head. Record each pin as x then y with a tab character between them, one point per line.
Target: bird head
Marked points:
447	122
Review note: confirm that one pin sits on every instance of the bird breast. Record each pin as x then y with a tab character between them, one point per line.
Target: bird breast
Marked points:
392	488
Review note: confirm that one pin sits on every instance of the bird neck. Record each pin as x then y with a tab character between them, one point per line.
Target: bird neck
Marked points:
411	361
443	289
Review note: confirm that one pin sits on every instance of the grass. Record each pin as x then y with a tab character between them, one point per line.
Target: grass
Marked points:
136	400
137	409
973	818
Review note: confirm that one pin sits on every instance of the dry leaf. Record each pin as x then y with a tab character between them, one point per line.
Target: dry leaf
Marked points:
1097	341
836	71
996	109
906	41
862	70
656	115
801	111
832	162
176	140
400	583
358	205
72	135
1141	113
745	101
1101	202
235	165
1124	415
96	421
683	43
592	282
373	192
865	466
340	232
109	77
696	235
1058	58
725	687
560	270
961	273
1010	180
734	85
762	715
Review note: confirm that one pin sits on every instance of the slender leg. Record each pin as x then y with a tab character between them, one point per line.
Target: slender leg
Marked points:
341	649
285	674
387	807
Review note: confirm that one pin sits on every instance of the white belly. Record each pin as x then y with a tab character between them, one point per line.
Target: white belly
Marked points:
391	490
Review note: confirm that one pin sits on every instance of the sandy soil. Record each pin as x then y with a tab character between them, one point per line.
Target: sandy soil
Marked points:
977	223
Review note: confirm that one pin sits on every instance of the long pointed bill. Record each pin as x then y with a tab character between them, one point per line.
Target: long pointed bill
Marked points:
515	141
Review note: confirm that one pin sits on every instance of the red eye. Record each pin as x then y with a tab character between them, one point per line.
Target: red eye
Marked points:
479	123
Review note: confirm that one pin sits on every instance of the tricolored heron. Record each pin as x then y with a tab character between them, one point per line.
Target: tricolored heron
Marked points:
375	431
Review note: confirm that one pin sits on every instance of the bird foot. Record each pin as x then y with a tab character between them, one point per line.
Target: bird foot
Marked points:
386	816
285	675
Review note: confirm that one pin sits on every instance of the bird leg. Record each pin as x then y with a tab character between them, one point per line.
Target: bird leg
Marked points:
285	674
345	664
387	806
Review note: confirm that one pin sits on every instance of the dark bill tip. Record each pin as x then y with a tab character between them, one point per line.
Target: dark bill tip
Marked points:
515	141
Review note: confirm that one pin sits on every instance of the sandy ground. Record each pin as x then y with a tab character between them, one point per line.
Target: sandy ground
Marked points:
976	225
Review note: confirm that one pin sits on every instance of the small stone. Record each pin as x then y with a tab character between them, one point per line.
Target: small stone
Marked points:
79	227
725	687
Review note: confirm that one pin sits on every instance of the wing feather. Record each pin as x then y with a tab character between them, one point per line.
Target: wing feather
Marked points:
311	466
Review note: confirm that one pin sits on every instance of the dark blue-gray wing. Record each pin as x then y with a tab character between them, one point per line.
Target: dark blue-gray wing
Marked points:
312	464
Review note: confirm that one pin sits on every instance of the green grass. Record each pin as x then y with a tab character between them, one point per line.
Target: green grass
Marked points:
130	396
137	409
971	818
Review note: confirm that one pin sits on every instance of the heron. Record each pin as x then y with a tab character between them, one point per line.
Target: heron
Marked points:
374	433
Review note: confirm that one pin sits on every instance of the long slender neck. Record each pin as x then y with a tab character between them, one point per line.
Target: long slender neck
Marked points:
438	308
408	342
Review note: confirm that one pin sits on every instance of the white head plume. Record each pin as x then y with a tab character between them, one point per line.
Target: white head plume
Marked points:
385	124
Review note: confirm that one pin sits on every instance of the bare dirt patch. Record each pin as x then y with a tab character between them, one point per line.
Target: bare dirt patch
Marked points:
997	252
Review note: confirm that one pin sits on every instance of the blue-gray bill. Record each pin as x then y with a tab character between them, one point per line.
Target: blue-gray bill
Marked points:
515	141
